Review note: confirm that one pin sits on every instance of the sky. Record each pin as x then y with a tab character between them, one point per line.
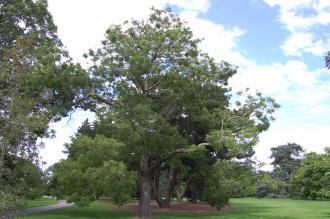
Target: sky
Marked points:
278	45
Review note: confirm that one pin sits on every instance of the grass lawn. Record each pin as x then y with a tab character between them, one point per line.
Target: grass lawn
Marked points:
41	202
246	208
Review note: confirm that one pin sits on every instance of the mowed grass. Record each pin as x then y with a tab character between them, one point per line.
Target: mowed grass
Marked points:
246	208
41	202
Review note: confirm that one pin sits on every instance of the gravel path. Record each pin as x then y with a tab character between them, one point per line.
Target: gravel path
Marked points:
61	204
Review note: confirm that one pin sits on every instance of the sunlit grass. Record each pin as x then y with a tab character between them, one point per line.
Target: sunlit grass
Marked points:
246	208
41	202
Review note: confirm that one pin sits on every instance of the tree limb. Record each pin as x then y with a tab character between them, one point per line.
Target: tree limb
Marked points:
152	87
168	156
95	97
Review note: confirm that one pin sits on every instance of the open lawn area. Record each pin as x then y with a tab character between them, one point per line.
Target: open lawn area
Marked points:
240	209
41	202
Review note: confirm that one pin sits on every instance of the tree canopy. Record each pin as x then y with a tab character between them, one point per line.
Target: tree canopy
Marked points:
38	81
157	98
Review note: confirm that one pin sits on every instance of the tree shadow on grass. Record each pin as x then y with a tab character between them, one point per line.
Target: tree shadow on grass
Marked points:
326	215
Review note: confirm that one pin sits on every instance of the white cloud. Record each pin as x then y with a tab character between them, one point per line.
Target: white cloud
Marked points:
318	109
296	42
293	16
220	42
312	98
300	42
193	5
276	78
300	17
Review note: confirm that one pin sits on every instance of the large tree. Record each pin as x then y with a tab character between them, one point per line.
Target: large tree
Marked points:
158	96
38	82
152	75
286	161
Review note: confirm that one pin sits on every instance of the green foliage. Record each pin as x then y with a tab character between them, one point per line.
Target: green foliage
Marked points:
237	129
11	205
233	134
38	84
94	170
229	179
216	194
312	179
242	177
286	160
268	187
23	178
218	188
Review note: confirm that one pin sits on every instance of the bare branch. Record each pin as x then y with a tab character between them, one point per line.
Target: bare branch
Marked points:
152	87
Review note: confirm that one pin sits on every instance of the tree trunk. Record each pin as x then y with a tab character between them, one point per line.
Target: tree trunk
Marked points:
194	197
163	202
145	189
176	183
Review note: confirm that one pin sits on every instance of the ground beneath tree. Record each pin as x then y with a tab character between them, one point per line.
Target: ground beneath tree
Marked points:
175	207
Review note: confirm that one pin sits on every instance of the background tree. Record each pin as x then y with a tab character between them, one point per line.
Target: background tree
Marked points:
267	186
311	180
38	82
327	60
286	160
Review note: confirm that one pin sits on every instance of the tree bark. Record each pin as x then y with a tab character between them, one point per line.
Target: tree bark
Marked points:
176	182
163	202
145	189
194	197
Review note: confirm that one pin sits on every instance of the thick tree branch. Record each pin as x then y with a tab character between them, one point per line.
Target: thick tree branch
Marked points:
168	156
141	85
152	87
95	97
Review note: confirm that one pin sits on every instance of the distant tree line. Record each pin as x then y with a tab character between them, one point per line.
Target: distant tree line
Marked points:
295	175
